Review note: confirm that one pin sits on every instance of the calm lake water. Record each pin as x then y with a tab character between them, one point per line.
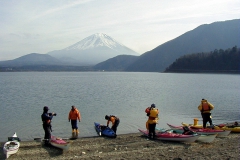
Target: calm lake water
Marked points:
125	94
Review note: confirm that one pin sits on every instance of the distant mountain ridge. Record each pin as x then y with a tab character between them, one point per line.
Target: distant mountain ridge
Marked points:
32	59
92	50
204	38
118	63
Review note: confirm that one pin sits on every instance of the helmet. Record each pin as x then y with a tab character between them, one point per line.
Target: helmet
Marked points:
45	108
153	106
107	117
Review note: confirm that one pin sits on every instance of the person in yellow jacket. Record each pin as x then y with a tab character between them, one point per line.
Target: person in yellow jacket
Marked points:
74	115
205	108
152	113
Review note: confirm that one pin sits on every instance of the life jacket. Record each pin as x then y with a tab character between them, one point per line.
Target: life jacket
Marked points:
115	117
48	121
115	121
205	106
154	113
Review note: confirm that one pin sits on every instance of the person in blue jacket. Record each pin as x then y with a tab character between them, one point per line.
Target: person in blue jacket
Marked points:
46	119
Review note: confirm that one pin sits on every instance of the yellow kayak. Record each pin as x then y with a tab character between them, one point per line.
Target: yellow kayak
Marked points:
231	128
227	127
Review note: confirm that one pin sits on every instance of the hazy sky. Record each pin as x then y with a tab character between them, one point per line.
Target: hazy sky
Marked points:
40	26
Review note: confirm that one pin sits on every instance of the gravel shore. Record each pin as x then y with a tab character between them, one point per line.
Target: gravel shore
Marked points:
132	146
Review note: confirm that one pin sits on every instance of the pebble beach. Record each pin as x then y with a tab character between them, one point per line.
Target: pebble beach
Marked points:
131	146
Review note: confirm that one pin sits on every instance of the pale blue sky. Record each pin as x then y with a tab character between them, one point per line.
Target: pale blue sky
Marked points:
40	26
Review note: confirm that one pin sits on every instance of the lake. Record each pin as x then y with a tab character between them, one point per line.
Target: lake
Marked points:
125	94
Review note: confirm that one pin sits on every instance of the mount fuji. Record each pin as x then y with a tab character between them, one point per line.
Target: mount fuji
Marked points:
92	50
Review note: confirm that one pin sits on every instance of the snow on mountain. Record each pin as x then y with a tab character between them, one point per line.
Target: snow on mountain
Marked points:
93	49
96	40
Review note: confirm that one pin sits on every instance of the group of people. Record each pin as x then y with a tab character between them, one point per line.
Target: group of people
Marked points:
205	108
73	116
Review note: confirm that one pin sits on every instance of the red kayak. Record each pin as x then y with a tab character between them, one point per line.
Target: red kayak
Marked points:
166	136
219	133
59	143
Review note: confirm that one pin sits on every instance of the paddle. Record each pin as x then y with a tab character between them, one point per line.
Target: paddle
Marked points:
40	139
14	139
163	130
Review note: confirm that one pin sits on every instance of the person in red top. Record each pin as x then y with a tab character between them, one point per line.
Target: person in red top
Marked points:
115	122
74	115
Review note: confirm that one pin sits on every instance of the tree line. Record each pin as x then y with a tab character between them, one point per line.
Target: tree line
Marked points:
217	61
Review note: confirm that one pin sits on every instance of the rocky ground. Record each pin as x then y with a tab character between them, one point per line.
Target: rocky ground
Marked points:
132	146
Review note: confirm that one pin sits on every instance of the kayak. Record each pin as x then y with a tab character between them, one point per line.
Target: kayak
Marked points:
12	145
208	138
233	127
103	130
228	127
220	133
167	136
59	143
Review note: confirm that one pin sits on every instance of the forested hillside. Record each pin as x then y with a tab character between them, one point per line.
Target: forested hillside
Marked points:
204	38
217	61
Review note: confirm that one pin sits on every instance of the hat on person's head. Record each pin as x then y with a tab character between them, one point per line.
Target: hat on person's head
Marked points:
45	108
153	106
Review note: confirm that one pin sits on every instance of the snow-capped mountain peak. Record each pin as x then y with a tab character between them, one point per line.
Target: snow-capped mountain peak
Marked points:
95	40
93	49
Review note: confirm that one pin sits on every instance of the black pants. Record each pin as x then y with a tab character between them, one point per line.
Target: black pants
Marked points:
74	124
114	127
151	130
47	130
206	118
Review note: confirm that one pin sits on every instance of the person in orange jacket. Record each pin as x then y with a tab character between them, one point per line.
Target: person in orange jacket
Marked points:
74	115
115	122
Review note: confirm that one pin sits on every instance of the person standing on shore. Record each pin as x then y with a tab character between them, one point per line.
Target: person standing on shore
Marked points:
46	119
152	114
73	116
205	108
115	122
